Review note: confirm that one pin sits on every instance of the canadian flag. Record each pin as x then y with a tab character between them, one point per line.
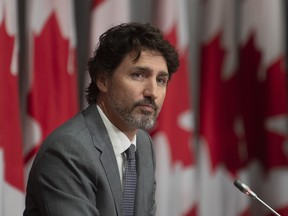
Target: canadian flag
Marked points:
11	155
172	135
243	107
104	15
264	99
52	95
221	150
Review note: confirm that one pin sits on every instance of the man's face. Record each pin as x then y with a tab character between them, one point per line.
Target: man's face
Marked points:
135	93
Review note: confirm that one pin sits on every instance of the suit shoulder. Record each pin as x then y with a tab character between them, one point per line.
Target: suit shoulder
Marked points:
73	129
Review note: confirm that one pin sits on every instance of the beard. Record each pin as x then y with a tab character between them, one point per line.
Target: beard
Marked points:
141	119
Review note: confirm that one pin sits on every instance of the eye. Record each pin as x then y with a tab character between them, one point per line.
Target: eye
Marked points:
162	80
137	75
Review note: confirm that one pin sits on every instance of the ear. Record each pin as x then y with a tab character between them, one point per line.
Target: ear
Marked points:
101	82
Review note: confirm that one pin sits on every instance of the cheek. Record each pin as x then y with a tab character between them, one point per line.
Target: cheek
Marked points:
131	93
161	98
125	95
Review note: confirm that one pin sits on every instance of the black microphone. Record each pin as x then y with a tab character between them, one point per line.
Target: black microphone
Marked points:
246	190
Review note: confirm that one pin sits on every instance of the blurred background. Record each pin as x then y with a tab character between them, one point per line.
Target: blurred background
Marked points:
225	116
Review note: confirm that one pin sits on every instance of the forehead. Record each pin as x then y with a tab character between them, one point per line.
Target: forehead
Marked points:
147	58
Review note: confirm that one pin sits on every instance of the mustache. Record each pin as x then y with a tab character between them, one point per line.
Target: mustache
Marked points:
147	102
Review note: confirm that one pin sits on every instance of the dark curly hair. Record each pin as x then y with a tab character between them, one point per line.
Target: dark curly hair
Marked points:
120	40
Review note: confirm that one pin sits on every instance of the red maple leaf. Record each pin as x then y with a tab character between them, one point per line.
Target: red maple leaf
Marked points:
219	108
10	133
53	97
245	96
261	100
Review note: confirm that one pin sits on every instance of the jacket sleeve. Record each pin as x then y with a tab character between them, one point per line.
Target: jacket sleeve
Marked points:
60	181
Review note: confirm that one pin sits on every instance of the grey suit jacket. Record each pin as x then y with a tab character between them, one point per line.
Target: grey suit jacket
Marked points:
75	172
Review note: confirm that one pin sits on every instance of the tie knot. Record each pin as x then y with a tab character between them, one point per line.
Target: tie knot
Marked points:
130	152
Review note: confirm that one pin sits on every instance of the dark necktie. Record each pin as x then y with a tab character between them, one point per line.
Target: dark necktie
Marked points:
130	181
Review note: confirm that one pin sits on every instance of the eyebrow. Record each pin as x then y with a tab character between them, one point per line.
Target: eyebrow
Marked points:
147	69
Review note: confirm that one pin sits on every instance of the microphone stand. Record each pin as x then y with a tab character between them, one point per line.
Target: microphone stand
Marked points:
246	190
261	201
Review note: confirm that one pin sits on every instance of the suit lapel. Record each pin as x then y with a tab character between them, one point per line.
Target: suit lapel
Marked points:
143	157
110	165
102	142
140	178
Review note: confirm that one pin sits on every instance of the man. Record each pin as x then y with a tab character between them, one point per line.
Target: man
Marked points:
80	168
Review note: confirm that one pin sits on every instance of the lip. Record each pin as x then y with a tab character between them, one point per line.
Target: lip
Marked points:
148	108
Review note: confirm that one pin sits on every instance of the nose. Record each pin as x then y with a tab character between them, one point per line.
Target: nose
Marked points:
151	89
